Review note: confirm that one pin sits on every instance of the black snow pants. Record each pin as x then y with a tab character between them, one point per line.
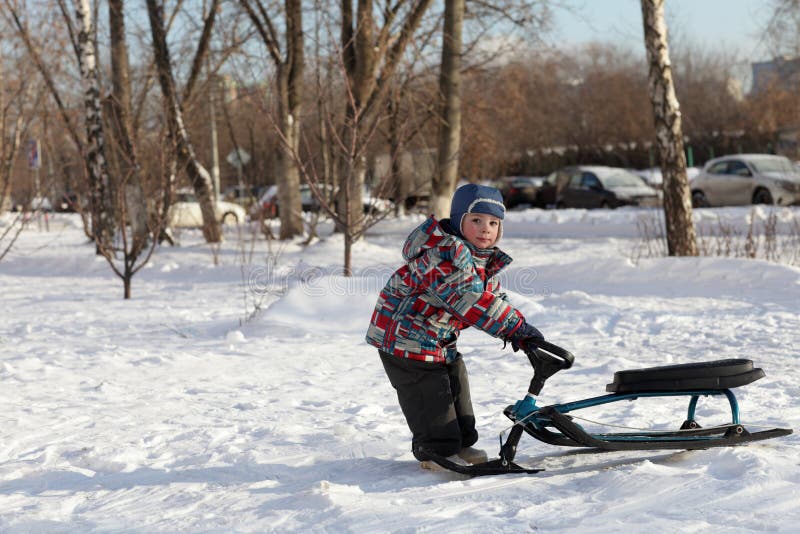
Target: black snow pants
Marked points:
436	402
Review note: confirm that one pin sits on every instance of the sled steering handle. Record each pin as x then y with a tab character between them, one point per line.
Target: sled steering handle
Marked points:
550	350
547	360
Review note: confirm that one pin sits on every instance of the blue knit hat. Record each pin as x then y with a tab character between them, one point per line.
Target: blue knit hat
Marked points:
474	198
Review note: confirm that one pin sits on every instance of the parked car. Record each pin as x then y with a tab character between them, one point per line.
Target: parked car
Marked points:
546	195
268	203
373	204
244	195
595	186
519	190
746	179
70	203
185	211
39	204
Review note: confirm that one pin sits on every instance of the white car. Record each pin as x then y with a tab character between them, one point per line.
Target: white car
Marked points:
268	203
746	179
185	211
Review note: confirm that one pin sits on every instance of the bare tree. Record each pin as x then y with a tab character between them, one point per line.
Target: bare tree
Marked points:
47	70
128	252
323	87
10	136
369	215
681	237
124	252
446	178
12	128
289	94
782	30
34	50
187	159
370	57
120	119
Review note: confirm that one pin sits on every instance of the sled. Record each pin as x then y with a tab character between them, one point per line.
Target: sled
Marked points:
554	425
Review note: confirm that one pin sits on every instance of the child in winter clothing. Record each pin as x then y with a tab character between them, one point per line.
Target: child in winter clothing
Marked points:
449	282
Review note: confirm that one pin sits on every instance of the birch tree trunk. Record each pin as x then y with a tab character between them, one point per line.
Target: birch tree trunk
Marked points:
102	224
130	172
446	178
198	175
681	237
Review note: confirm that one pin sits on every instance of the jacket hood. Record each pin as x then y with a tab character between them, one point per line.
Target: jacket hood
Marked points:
431	238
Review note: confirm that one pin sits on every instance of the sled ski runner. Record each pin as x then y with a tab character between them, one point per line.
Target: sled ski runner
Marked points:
492	467
554	424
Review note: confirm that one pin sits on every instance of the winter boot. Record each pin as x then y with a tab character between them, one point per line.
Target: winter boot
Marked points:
433	466
473	455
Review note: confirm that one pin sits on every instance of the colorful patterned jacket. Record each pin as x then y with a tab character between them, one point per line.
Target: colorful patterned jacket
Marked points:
441	290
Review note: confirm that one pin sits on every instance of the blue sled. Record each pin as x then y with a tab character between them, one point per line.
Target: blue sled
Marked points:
553	424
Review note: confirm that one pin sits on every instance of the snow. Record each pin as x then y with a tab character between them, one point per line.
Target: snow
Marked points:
241	397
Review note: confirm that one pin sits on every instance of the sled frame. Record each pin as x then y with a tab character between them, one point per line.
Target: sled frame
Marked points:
553	424
689	436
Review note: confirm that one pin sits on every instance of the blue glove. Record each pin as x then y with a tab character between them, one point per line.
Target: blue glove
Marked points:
526	338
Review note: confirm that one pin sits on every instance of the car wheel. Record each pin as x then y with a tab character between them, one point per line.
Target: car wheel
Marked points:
699	200
604	205
230	218
560	205
762	196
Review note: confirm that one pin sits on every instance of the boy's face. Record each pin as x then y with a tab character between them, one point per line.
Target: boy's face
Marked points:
480	229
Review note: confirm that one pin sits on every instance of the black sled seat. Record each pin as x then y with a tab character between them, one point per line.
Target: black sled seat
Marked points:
714	375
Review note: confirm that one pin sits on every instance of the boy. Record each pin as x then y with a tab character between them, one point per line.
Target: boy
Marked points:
449	282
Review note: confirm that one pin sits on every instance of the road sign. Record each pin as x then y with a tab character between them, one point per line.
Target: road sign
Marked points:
238	159
33	154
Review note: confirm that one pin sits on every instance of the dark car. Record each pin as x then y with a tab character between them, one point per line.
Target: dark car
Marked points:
519	190
69	203
547	194
267	204
594	186
244	195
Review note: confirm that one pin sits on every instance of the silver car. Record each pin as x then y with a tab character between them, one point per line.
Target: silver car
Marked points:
746	179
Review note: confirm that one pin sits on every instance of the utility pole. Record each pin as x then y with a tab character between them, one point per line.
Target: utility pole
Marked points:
212	106
212	109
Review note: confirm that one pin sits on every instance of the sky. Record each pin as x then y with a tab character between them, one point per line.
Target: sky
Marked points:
729	24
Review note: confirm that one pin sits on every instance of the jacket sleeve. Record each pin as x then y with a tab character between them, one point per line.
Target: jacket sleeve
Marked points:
454	284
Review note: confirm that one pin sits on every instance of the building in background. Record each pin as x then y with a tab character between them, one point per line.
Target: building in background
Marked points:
779	73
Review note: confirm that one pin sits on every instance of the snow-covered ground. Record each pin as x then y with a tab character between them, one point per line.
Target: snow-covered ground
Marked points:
242	397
